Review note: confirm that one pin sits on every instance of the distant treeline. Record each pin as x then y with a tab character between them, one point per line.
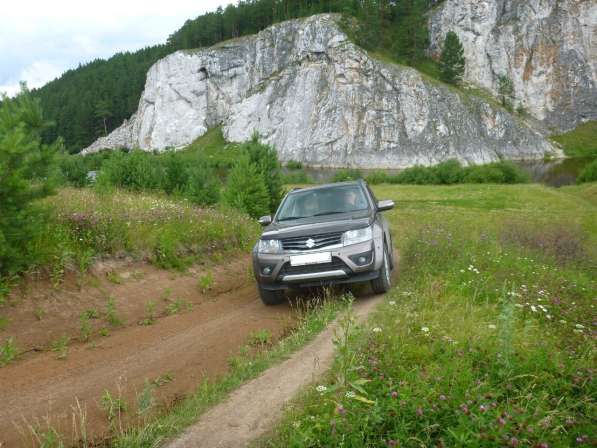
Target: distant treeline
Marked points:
96	97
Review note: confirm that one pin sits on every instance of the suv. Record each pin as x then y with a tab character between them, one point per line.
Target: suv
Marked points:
322	235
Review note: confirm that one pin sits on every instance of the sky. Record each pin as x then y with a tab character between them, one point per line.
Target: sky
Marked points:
41	39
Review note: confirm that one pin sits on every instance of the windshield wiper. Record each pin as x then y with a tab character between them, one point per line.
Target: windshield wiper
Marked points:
290	218
327	213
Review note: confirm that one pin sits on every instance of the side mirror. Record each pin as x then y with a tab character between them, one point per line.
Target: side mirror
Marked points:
265	220
388	204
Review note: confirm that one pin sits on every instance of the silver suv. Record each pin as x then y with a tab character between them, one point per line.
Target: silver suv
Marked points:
322	235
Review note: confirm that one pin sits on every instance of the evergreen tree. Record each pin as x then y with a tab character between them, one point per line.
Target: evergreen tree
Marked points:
246	190
25	172
452	60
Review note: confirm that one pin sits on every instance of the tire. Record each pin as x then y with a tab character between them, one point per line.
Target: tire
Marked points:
383	283
271	297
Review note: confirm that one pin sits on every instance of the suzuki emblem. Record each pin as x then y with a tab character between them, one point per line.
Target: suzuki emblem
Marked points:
310	243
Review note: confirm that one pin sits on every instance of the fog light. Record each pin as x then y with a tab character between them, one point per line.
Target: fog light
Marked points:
267	270
362	259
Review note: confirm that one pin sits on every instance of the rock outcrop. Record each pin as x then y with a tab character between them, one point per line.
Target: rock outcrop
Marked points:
548	48
319	99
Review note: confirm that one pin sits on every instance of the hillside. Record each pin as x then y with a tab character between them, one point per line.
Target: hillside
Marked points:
318	98
106	92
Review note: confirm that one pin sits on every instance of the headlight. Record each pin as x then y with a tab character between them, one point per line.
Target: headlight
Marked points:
357	236
269	246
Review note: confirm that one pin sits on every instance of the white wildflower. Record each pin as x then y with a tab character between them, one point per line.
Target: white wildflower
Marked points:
533	309
425	329
321	388
392	302
376	330
579	326
492	326
350	394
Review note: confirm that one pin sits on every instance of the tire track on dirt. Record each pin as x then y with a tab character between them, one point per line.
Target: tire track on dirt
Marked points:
188	346
254	408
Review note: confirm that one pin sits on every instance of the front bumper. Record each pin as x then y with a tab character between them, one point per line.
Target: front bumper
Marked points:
274	272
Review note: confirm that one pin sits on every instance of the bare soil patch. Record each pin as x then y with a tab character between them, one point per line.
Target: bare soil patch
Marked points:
184	344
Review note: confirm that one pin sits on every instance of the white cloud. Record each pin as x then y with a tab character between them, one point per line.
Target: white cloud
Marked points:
39	39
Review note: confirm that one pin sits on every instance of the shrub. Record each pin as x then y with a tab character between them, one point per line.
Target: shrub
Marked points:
246	189
202	185
135	171
418	175
297	177
176	175
378	177
449	172
588	173
73	170
294	165
265	159
25	175
346	174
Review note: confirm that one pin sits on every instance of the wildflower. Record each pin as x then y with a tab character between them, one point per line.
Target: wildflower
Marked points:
533	309
579	326
419	412
321	388
492	326
350	394
392	302
340	410
392	442
482	408
394	394
562	321
376	330
425	329
443	397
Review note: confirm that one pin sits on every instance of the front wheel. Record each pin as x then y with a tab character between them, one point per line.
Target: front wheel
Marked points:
383	283
271	297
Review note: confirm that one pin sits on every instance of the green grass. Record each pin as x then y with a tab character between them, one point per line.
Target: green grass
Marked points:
168	232
243	367
212	145
487	338
580	142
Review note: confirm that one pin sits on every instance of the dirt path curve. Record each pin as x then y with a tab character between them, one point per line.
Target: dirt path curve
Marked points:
186	346
254	408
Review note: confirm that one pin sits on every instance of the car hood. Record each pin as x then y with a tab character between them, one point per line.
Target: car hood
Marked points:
317	225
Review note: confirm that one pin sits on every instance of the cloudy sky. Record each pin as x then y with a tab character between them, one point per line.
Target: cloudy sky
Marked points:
41	39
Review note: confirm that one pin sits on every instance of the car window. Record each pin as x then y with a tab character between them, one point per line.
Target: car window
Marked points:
323	201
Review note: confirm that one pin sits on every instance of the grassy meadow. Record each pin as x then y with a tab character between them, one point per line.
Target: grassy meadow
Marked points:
487	339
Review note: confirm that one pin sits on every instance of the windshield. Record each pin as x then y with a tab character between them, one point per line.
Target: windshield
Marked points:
323	201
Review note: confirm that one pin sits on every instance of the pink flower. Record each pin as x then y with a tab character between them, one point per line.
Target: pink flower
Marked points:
419	412
394	394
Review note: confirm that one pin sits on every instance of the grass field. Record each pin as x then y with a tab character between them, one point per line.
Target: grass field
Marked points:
580	142
488	338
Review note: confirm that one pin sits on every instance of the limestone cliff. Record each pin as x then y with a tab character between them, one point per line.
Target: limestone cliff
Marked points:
319	99
548	48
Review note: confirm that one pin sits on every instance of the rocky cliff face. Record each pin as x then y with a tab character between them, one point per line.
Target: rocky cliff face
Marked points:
548	48
321	100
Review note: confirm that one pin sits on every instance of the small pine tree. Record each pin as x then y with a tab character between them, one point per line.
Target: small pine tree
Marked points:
452	60
265	159
506	91
203	186
246	189
26	169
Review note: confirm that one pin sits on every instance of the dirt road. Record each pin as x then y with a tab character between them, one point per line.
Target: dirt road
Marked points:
181	348
254	408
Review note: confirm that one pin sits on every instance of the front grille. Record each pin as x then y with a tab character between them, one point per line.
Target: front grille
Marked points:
335	264
319	241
